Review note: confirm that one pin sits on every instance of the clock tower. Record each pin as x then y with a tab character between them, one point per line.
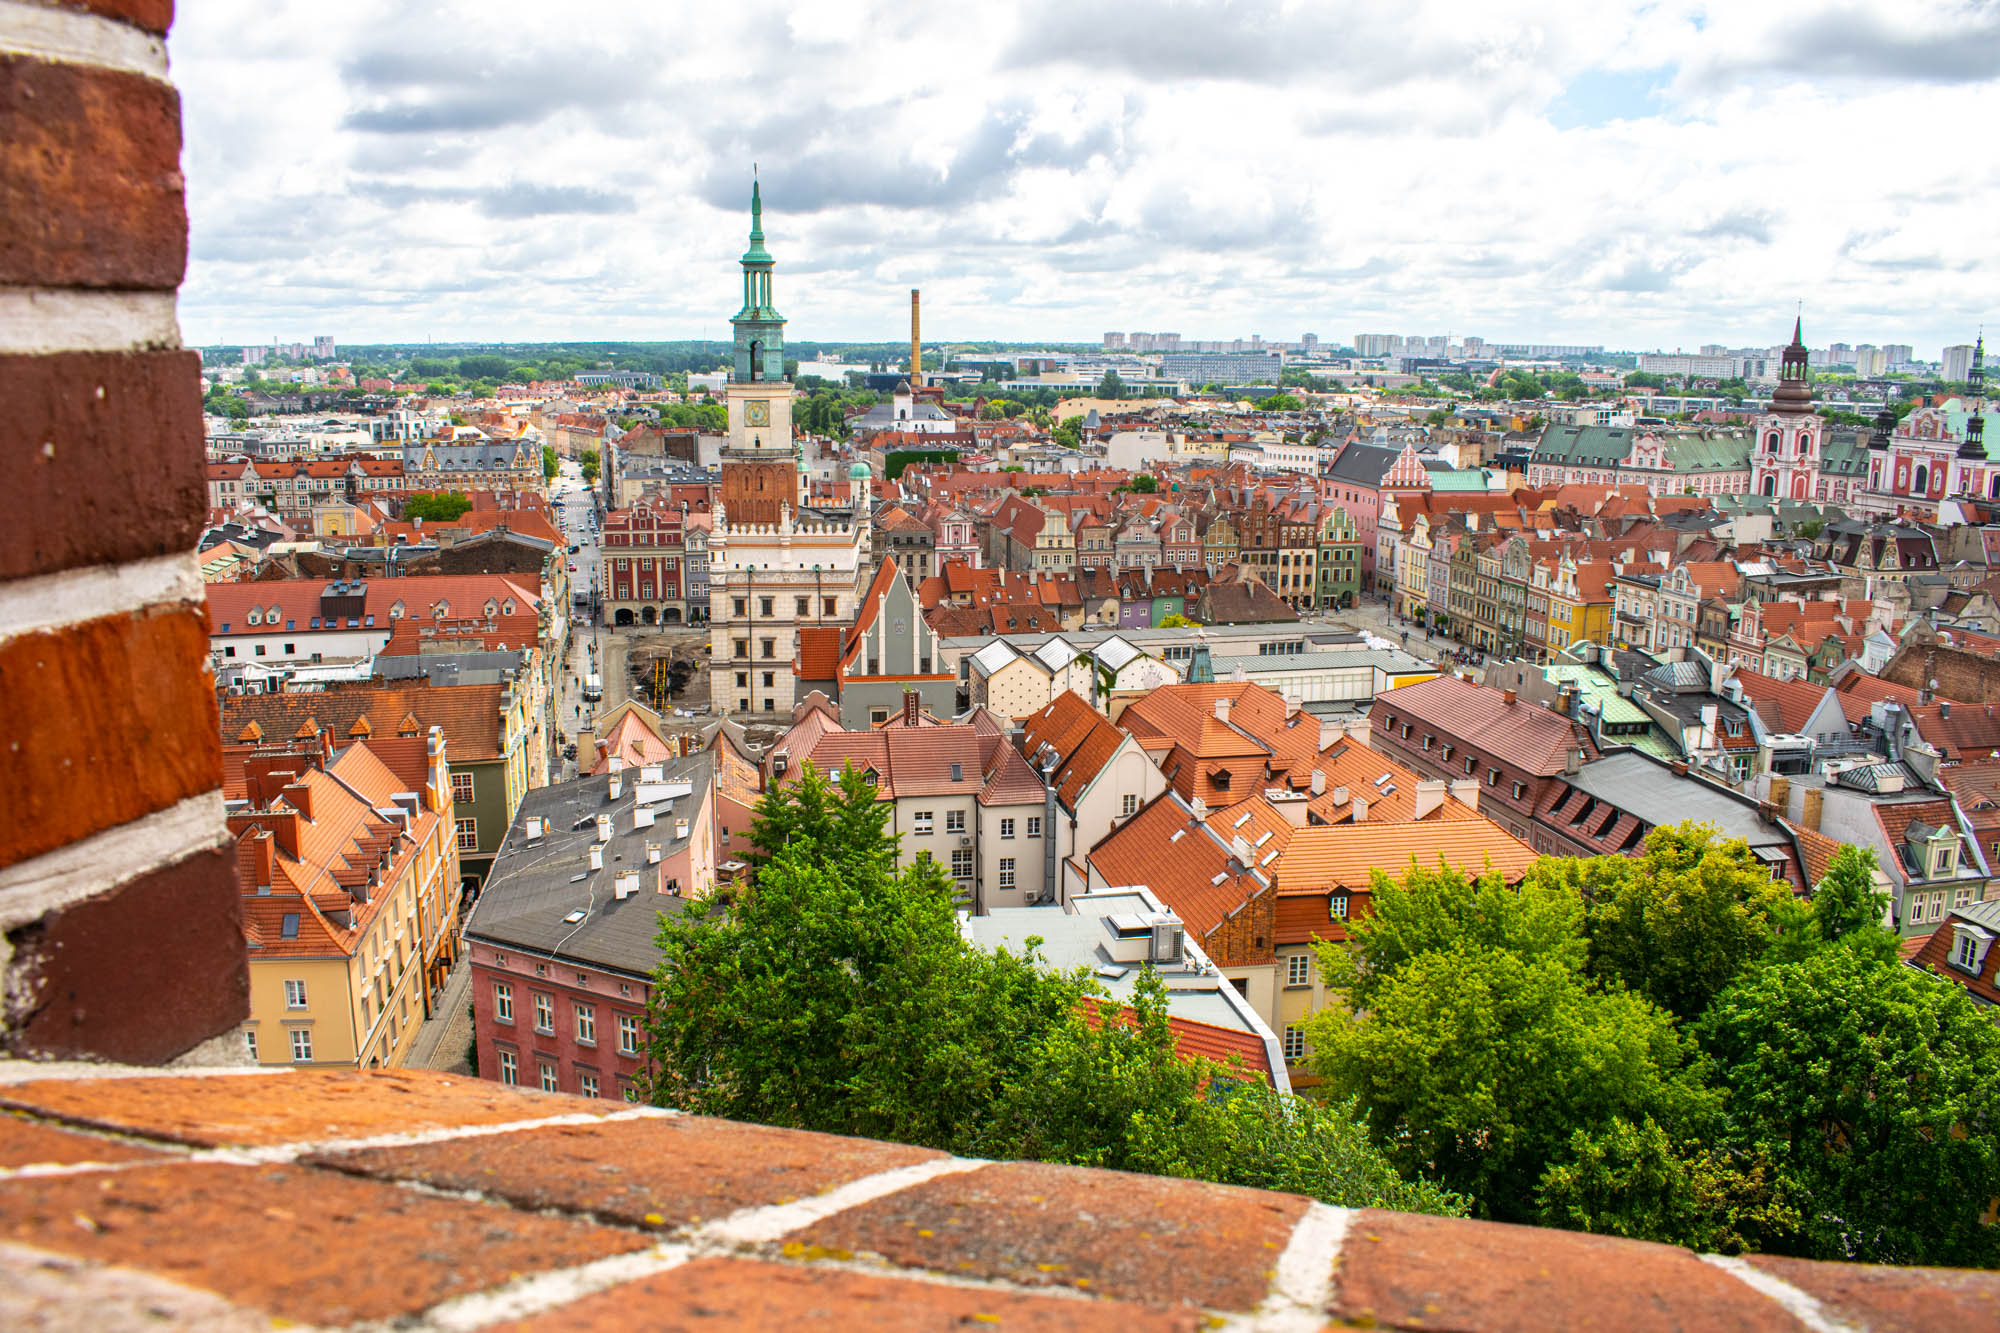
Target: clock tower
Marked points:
760	397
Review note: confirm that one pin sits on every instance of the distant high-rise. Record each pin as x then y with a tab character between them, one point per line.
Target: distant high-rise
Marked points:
1114	342
1957	362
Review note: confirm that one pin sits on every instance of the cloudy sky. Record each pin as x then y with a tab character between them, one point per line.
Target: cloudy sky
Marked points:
1638	175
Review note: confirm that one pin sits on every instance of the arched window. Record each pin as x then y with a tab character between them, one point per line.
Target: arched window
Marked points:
1770	484
1921	483
1771	442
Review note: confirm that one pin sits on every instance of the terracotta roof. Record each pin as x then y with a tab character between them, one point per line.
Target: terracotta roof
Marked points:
632	739
1529	736
469	714
1962	732
1351	764
1195	873
1182	719
1873	690
919	761
1785	705
1325	857
1083	738
819	652
298	600
1816	851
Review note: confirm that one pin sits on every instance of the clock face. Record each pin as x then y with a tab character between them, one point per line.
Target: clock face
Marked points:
757	412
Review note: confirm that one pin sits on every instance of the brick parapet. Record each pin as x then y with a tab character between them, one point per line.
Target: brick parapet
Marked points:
120	924
417	1200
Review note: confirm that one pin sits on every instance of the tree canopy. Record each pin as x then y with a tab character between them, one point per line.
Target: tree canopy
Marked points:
436	506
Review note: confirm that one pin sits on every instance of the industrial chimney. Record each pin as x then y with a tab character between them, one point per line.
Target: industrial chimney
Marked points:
916	341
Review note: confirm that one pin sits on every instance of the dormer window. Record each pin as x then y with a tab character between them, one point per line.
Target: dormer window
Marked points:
253	617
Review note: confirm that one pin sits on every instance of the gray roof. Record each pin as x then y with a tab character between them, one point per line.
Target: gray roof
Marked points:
1388	659
1606	446
536	886
1363	464
1649	789
1986	914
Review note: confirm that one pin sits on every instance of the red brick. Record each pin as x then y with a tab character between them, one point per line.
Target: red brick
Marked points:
307	1105
1873	1297
301	1244
152	15
90	178
23	1142
1406	1271
108	458
112	718
745	1294
139	974
657	1173
1136	1237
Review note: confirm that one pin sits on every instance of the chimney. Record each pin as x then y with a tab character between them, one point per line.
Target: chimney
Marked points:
301	798
1340	796
916	341
1360	809
617	787
1507	696
597	856
1222	708
1430	797
1944	708
1809	808
909	708
604	828
653	853
1198	811
265	851
1291	706
1319	782
1466	792
1779	793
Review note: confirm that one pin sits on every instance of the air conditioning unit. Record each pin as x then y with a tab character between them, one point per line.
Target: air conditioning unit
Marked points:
965	841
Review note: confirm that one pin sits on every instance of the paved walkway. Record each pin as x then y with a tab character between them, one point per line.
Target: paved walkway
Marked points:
442	1040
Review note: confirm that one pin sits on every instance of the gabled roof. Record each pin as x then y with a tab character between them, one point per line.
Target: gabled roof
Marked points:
1082	739
1530	736
1192	865
1327	857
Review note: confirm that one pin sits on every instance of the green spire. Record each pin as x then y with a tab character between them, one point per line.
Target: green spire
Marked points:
756	254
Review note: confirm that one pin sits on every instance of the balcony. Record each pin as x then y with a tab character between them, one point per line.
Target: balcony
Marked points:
228	1199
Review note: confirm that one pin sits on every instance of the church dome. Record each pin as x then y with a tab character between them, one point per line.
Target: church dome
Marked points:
859	470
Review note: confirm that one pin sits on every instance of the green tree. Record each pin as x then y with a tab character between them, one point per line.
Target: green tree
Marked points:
1111	386
484	367
1069	432
590	464
1279	402
551	465
436	506
1145	483
1680	921
1638	1181
1847	904
1870	1089
1176	621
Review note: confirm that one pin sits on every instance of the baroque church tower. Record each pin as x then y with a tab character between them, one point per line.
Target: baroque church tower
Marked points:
1784	464
784	577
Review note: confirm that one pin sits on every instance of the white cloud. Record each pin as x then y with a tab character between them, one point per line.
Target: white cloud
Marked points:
1655	173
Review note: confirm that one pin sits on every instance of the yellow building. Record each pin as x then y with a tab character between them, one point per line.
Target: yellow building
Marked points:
1580	604
349	871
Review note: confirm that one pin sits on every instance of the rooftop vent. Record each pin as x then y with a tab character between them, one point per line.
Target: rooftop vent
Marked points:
534	828
642	817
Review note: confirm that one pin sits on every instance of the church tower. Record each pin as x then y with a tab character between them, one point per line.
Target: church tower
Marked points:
759	468
1785	461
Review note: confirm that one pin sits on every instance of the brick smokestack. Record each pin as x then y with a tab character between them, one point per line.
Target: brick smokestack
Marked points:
916	340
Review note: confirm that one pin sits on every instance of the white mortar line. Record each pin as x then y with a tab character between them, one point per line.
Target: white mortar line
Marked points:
417	1138
80	39
1800	1305
535	1294
1302	1292
756	1226
99	863
74	596
13	1072
39	320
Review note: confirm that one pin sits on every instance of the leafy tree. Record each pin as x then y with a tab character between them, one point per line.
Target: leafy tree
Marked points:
485	367
1638	1181
1680	921
1279	402
551	465
1437	417
1069	432
1870	1089
1176	621
1847	903
836	993
1111	386
590	463
436	506
1145	484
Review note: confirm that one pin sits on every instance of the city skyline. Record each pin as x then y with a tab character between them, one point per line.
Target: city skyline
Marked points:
1648	176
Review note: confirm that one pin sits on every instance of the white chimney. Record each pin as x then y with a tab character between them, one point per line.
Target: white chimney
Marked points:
1360	809
653	773
642	816
1466	792
1291	706
1199	811
604	828
625	885
1430	796
617	786
617	763
1239	847
652	853
597	856
1340	796
1319	782
1221	708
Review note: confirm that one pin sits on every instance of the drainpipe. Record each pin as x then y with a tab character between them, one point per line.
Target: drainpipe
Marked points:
1050	860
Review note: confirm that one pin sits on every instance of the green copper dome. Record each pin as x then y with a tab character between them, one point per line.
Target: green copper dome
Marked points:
859	471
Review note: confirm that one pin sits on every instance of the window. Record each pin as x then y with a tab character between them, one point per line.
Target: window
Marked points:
921	822
549	1083
741	606
1295	1042
587	1084
954	821
295	995
461	786
804	606
764	606
1492	777
302	1046
770	679
1006	828
510	1069
768	648
742	648
742	680
1520	790
1298	970
586	1024
961	863
1034	826
628	1034
1965	955
877	715
1468	765
1337	907
1128	805
468	834
1006	872
250	1042
545	1014
503	1002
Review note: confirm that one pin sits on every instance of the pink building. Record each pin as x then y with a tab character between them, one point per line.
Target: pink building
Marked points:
561	940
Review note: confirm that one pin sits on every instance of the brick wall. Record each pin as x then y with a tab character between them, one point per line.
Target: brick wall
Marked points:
120	932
